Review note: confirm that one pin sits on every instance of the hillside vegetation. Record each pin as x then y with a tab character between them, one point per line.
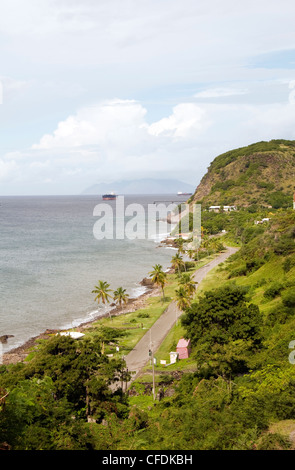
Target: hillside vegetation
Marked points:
260	174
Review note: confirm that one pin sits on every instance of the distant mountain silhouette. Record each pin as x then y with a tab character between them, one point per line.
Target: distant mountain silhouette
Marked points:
141	186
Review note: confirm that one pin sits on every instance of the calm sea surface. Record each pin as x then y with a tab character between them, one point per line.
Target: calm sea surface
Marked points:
50	261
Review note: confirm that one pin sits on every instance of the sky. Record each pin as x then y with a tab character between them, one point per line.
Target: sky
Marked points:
102	90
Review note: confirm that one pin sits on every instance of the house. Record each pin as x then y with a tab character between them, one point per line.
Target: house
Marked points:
222	208
214	208
257	222
183	348
229	208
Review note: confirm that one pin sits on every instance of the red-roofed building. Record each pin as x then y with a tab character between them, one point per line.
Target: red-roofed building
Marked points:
183	348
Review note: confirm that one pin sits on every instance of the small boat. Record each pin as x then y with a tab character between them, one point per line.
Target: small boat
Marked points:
109	197
180	193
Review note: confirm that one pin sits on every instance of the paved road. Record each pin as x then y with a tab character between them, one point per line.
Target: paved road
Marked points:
139	356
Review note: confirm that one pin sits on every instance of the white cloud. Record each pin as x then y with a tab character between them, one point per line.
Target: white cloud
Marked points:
113	140
186	120
186	63
116	121
219	93
8	170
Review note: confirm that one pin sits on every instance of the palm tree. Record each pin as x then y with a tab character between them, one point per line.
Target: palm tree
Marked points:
182	298
188	283
206	243
121	296
159	277
102	292
181	249
190	253
177	262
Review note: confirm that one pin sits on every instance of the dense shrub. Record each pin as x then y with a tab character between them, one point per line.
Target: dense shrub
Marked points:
279	200
287	265
284	246
240	271
279	315
273	290
288	298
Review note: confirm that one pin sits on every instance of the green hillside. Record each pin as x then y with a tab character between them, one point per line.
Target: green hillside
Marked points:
236	389
261	173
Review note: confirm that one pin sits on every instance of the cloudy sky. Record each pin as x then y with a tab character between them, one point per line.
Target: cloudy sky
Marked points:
98	90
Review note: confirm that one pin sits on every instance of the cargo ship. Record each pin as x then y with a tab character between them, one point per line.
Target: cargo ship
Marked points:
180	193
109	197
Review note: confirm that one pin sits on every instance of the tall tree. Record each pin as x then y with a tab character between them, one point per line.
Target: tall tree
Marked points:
224	329
121	296
188	283
190	253
159	277
177	262
182	298
102	292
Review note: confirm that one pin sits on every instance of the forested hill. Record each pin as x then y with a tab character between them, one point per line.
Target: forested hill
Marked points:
261	174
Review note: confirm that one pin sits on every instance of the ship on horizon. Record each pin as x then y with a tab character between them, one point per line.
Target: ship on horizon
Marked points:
109	197
181	193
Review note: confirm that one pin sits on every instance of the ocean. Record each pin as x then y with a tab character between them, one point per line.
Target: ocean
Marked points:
51	259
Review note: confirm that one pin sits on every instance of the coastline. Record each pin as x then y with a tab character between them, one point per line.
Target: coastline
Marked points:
19	353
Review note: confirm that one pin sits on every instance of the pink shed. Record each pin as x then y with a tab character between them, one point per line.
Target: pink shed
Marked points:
183	348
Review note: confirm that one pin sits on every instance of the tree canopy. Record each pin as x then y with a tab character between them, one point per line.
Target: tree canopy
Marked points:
222	325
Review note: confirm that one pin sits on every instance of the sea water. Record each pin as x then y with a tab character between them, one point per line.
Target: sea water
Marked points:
50	262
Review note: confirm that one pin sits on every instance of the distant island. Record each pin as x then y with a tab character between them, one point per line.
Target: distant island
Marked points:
142	186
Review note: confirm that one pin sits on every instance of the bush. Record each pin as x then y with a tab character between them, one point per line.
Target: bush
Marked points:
254	264
274	441
260	283
241	271
279	200
280	314
143	315
284	245
289	298
189	265
274	290
287	264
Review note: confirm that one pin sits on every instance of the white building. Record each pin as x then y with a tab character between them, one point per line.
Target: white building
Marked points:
257	222
224	208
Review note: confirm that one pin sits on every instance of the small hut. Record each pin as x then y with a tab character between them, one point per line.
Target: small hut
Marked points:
183	348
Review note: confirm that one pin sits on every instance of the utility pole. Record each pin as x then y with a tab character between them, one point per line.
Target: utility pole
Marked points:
154	390
151	354
122	375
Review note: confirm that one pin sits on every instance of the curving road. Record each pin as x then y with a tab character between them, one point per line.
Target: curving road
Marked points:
139	356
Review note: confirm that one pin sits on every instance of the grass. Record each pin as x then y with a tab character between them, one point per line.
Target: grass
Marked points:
257	281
